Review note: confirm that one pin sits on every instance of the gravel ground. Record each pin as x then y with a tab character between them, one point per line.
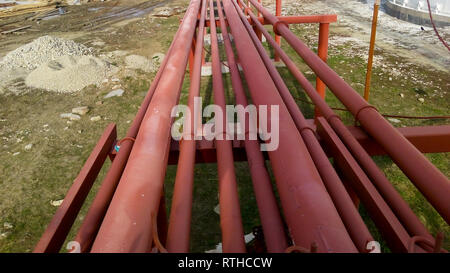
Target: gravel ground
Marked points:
53	64
70	73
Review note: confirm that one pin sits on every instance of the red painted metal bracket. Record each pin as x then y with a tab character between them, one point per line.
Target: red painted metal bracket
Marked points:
59	227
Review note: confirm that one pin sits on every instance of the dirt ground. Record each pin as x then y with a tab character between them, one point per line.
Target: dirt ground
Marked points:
30	180
409	65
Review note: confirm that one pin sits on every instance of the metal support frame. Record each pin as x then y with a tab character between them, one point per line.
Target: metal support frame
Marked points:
128	213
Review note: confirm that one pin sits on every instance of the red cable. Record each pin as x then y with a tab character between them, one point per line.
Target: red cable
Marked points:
434	26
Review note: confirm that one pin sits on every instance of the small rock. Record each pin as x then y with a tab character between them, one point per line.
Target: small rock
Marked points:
45	125
56	203
115	93
402	95
16	153
99	102
96	118
105	81
28	147
422	100
7	225
394	120
390	78
116	86
70	116
115	80
82	110
217	209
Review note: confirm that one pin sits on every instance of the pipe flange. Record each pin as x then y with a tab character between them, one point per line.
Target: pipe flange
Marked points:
277	24
363	108
333	116
125	139
307	128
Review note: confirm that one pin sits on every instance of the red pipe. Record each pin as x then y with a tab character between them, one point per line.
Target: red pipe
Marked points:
181	209
434	185
344	204
322	52
271	221
309	210
138	194
230	214
94	217
399	206
302	19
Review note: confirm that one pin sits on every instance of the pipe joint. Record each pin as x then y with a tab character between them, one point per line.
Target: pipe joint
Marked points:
277	24
362	109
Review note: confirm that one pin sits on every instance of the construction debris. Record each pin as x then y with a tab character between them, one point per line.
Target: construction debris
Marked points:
28	8
15	29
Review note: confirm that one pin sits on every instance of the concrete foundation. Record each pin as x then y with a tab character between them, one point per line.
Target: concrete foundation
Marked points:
416	11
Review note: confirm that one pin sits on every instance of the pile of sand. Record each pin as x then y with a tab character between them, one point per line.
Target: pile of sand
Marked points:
42	50
70	73
53	64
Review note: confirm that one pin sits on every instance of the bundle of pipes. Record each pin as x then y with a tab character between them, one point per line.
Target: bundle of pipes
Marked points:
317	198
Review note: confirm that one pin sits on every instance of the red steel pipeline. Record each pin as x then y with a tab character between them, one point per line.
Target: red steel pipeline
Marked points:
303	19
230	213
271	221
309	210
390	227
434	185
91	223
344	204
400	207
181	209
127	226
322	52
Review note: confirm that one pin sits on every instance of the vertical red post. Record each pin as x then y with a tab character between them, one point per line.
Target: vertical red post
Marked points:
277	37
322	52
